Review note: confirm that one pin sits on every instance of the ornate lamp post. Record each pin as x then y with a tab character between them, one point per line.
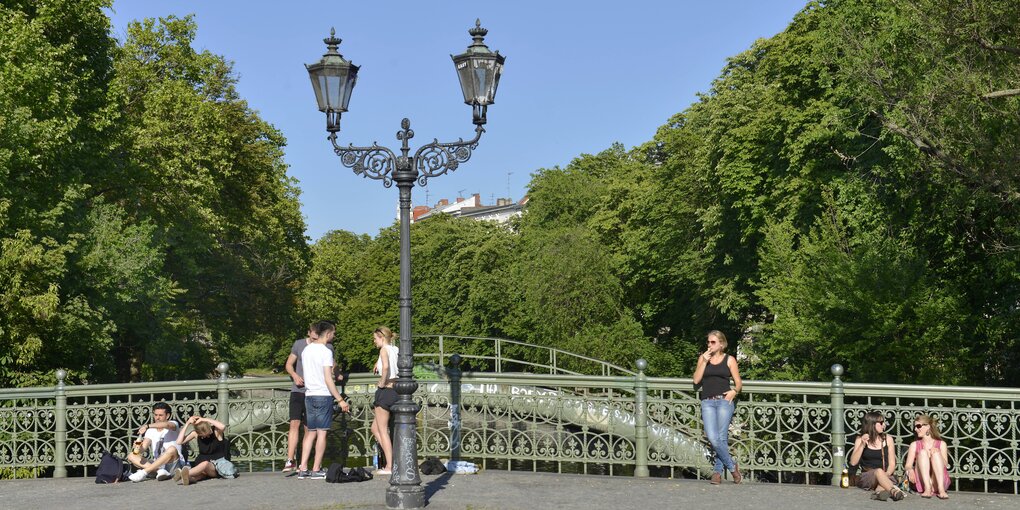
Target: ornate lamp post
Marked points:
333	79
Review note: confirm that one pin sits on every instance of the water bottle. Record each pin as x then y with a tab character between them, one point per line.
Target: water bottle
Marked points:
375	456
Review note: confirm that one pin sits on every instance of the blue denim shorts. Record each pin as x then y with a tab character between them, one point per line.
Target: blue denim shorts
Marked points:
318	412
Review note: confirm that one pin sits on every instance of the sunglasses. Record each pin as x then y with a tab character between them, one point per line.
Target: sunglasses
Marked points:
919	425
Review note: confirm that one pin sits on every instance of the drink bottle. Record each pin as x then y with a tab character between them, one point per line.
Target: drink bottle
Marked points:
844	479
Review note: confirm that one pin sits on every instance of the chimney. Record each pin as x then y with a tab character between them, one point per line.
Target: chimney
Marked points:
460	199
418	211
443	202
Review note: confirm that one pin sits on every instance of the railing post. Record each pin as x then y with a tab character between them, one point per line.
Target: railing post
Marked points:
60	427
454	374
641	420
836	415
223	395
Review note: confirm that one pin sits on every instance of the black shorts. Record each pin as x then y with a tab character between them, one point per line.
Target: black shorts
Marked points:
385	397
297	406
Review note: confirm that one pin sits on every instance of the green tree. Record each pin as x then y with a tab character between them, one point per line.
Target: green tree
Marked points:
201	166
54	121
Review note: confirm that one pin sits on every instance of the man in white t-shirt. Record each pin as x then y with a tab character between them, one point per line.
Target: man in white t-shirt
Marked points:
297	394
160	438
320	390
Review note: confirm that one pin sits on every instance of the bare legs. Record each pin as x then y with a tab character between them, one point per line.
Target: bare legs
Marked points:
318	438
170	455
381	431
884	483
292	438
203	470
931	466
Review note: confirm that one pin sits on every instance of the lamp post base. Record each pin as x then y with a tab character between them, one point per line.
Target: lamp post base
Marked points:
405	497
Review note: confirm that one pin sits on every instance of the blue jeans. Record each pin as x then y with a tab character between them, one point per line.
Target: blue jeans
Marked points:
717	415
318	412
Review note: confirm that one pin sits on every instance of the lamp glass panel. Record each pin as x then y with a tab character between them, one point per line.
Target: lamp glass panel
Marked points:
481	81
352	78
318	85
334	86
464	75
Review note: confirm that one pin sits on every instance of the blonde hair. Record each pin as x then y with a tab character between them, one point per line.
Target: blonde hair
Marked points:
723	344
933	427
386	333
203	429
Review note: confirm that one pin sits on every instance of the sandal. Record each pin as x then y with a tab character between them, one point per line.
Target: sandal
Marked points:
926	495
942	496
881	496
897	494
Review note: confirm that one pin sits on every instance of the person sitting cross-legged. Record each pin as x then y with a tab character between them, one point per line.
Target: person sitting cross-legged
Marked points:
160	437
213	451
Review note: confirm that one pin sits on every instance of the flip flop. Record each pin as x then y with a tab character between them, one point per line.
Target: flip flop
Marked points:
940	496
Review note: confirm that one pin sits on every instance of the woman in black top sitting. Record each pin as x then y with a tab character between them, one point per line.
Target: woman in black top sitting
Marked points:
715	368
212	445
875	454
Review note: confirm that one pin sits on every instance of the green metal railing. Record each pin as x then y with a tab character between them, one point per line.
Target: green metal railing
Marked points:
623	424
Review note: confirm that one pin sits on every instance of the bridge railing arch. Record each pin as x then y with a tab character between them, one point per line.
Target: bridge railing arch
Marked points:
499	355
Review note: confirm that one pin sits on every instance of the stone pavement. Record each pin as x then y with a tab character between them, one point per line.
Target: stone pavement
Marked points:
487	490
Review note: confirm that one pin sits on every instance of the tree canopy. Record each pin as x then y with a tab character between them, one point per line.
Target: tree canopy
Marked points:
844	192
147	222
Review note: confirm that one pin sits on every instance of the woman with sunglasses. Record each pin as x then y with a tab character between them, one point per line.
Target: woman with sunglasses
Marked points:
875	454
715	368
931	456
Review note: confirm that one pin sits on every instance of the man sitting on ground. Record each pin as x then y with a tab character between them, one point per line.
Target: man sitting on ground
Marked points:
160	438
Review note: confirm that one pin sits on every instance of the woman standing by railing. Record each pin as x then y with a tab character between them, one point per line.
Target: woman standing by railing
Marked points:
385	395
715	368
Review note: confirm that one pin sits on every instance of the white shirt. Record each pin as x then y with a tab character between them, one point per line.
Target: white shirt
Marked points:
391	353
168	436
314	359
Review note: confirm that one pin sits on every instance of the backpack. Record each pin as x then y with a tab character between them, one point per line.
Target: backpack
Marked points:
336	474
432	466
111	469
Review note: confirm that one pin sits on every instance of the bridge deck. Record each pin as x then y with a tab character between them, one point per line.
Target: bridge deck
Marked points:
487	490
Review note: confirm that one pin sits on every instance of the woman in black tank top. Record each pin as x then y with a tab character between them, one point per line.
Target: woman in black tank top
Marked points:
715	368
212	445
874	454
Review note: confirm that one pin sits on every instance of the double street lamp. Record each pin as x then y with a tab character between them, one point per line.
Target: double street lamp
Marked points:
333	79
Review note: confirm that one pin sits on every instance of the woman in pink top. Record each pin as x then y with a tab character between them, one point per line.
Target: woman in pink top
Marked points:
930	454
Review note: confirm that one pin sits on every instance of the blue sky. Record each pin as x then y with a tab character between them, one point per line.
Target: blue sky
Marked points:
579	76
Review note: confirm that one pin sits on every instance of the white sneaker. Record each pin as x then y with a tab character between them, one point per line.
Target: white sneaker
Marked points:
138	476
163	474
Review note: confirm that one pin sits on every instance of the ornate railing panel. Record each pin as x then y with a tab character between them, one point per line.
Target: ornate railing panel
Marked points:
979	425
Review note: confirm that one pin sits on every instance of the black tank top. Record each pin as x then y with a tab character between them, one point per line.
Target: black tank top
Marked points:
873	459
210	448
716	379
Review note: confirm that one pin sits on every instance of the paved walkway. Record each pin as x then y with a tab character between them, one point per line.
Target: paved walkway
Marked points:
489	490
